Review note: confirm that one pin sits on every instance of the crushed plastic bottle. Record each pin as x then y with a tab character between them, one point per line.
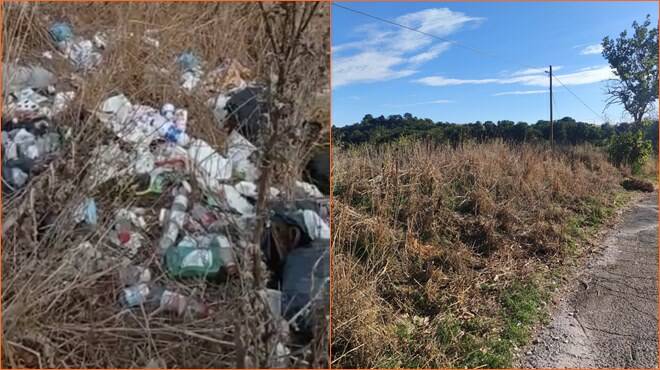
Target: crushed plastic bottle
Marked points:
156	297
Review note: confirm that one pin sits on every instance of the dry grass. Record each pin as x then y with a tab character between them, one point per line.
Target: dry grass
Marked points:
56	317
443	256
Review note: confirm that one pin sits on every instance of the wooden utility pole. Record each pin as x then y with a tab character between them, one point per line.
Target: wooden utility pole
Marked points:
552	123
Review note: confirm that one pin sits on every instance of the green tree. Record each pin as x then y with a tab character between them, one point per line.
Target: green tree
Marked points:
635	61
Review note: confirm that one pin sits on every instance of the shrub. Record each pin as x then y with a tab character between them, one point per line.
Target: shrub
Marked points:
629	149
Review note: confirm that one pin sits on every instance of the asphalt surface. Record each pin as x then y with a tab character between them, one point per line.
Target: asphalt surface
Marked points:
609	317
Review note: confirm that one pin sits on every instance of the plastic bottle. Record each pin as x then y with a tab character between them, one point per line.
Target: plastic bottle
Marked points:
185	261
124	228
226	254
154	297
175	220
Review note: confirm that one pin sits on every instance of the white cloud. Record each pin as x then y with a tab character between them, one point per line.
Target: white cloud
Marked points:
367	67
430	54
384	52
581	77
531	71
592	49
522	92
439	22
438	101
442	81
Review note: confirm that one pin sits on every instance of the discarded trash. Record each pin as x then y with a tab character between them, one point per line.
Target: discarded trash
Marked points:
305	282
306	190
156	181
175	221
208	165
108	161
141	124
226	254
132	275
235	200
191	67
246	111
86	212
274	299
188	61
14	174
24	149
187	260
27	105
248	189
203	216
156	297
151	41
315	227
125	233
17	77
62	100
190	262
100	40
219	106
231	75
61	32
81	52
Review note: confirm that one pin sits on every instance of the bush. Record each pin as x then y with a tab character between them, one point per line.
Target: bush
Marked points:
629	149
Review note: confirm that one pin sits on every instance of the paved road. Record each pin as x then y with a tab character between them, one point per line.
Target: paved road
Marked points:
610	317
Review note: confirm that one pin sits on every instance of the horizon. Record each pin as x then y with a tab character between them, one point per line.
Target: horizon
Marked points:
555	119
382	69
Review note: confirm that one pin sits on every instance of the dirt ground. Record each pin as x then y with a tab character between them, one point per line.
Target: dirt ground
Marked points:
609	318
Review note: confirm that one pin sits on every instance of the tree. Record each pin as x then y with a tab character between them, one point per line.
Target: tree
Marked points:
635	61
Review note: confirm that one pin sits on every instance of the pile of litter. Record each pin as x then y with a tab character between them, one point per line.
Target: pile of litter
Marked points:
203	198
29	138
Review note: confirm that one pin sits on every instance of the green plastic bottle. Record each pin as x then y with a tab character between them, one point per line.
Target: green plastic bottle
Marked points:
192	262
187	261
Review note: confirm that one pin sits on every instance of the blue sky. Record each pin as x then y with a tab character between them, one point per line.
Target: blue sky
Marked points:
383	69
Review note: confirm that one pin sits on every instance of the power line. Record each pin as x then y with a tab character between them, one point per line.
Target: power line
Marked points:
580	100
419	31
489	54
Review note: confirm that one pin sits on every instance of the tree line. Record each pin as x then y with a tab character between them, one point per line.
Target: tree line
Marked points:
567	131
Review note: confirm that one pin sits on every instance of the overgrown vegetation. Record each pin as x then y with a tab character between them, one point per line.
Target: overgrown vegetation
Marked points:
446	257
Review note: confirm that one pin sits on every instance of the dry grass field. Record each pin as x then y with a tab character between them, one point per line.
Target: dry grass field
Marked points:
447	257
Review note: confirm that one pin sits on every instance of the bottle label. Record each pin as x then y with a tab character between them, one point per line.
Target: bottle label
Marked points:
197	258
